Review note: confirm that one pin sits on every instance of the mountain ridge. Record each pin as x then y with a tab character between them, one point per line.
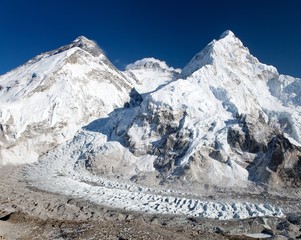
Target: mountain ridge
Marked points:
185	122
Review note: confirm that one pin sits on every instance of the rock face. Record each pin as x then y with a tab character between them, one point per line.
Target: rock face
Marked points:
44	102
280	165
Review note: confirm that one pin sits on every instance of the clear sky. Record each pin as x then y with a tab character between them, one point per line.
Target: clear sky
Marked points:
170	30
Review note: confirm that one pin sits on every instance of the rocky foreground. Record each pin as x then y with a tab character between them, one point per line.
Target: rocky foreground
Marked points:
29	213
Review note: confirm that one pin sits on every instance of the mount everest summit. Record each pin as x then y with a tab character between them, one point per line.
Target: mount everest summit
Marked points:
224	120
45	101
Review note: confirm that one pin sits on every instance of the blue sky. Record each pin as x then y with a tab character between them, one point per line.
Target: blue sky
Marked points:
173	31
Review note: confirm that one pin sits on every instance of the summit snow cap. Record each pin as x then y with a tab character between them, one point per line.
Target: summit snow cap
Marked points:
227	52
81	42
87	45
148	74
150	63
83	39
227	33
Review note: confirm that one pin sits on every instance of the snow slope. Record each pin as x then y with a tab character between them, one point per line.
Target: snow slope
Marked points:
45	101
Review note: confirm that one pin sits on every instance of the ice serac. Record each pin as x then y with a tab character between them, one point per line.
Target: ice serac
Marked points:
149	74
45	101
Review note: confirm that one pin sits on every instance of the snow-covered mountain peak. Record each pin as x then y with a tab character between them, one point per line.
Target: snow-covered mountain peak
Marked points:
227	44
83	40
152	64
230	43
80	42
87	45
217	50
229	54
217	120
45	101
148	74
227	33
